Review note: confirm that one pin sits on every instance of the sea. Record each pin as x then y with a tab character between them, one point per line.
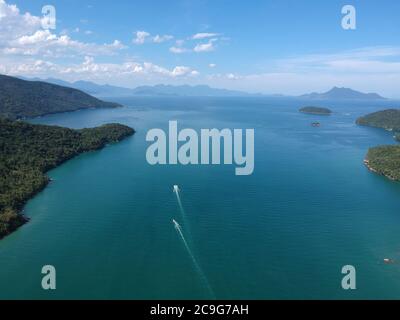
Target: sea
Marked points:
113	227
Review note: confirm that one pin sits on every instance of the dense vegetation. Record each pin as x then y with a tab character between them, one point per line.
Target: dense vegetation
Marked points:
385	160
28	151
386	119
316	110
20	98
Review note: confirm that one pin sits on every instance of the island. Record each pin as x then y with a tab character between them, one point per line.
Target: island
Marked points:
316	110
342	94
384	160
28	151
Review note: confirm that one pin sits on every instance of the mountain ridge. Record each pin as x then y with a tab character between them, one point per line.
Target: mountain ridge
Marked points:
106	90
337	93
22	99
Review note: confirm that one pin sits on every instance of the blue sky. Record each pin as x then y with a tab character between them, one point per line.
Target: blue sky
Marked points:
268	46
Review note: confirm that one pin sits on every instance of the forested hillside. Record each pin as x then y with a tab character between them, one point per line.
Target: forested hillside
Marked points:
21	99
28	151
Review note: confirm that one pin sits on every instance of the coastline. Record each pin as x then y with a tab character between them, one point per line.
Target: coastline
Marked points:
313	110
383	159
12	218
372	169
117	105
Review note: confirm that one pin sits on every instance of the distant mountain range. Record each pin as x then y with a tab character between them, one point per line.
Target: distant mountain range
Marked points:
157	90
342	94
186	90
199	90
20	98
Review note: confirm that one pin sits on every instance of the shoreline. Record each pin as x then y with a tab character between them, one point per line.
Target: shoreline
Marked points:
14	218
370	168
27	119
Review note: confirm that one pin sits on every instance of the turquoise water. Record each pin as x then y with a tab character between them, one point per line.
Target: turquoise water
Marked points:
310	207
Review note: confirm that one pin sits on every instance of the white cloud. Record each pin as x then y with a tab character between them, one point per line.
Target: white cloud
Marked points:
141	37
178	50
227	76
204	35
205	47
212	65
21	34
28	50
164	38
13	24
90	69
46	44
232	76
182	71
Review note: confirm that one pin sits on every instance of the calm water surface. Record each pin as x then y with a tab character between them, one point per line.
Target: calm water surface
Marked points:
310	208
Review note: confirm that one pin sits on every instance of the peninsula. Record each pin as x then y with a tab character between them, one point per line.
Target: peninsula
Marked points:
384	160
29	151
387	119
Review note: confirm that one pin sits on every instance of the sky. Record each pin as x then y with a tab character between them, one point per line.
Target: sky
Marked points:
270	46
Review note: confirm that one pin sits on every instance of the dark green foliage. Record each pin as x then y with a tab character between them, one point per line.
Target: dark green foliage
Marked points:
386	119
20	98
385	160
27	151
316	110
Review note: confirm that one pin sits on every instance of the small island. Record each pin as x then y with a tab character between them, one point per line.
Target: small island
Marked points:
384	160
316	110
29	151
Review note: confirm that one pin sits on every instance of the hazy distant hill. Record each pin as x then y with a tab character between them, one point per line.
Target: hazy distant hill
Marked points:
157	90
89	87
186	90
198	91
342	94
21	98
